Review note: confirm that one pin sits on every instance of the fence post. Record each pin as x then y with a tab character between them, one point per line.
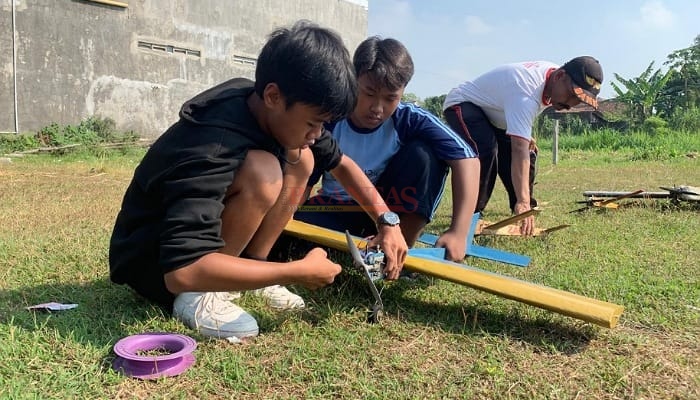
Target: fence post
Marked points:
555	143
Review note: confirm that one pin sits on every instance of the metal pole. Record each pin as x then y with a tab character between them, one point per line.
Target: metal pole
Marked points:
14	66
555	143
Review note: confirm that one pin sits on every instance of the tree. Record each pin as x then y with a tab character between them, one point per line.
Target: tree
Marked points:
410	98
644	94
434	104
684	86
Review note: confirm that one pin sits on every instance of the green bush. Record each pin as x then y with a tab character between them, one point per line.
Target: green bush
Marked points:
568	125
10	142
655	126
105	131
543	128
636	145
687	120
51	135
574	125
90	133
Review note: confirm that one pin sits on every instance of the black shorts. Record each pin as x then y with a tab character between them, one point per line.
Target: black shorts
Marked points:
494	148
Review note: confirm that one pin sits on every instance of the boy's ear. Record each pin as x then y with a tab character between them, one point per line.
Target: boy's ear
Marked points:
272	96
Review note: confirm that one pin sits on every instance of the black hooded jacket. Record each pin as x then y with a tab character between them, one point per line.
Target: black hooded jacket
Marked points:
171	212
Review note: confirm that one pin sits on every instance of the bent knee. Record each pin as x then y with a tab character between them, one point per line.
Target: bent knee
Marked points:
259	178
177	281
262	167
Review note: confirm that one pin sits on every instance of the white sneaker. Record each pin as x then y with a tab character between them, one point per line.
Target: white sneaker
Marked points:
279	297
229	296
213	314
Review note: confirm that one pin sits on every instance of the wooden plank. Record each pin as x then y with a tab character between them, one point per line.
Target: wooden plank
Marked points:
484	228
587	309
594	195
623	196
513	219
113	3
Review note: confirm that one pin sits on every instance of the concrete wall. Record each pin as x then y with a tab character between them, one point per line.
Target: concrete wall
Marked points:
137	65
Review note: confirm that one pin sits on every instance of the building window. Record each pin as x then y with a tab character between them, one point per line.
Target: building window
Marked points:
237	58
166	48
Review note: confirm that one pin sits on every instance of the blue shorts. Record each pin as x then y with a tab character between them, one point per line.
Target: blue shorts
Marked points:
413	182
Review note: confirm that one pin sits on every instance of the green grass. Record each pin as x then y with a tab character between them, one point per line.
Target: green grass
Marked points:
660	145
437	339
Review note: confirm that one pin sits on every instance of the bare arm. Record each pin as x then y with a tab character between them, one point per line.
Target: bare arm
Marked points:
220	272
520	170
390	238
465	190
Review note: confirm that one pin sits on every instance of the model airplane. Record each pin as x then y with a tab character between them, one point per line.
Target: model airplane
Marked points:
506	227
510	226
587	309
610	199
475	250
607	199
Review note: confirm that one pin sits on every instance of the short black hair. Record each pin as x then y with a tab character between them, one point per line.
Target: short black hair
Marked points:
311	65
387	62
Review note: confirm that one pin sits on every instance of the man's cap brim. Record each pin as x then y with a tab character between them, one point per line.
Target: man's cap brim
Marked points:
585	96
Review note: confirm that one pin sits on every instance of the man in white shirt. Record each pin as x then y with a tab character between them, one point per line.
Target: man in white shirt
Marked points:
495	112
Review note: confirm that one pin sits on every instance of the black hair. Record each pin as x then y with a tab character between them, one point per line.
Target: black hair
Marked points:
386	61
310	65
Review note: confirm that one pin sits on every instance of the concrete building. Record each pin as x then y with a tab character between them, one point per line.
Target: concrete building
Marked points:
137	61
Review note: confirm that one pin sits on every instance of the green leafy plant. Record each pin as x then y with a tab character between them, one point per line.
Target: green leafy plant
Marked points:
687	120
10	142
91	134
655	126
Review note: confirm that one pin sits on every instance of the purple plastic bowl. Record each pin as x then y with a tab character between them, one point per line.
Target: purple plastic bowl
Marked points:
130	363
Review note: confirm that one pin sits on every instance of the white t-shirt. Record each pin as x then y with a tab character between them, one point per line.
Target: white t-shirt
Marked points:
510	95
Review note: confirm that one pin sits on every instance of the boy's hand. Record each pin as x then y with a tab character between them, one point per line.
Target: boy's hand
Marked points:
455	245
392	243
319	270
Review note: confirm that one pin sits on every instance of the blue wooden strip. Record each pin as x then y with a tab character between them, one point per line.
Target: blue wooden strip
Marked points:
428	238
474	250
432	253
498	255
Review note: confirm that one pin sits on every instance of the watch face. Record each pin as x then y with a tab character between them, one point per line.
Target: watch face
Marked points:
389	218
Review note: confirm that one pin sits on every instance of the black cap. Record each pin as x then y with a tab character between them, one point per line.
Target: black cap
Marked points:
587	76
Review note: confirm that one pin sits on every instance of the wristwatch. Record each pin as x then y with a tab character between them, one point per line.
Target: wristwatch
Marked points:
388	218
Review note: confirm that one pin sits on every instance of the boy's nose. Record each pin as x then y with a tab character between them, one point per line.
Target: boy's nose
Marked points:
376	107
316	133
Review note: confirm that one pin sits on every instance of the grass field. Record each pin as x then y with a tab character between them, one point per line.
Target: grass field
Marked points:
437	339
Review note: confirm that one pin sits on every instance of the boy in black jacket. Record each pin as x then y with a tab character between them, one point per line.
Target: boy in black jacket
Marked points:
214	192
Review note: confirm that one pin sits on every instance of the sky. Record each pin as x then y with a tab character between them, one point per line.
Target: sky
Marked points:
452	41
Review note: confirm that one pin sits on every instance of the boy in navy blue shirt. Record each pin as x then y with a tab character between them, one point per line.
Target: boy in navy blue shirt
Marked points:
404	150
